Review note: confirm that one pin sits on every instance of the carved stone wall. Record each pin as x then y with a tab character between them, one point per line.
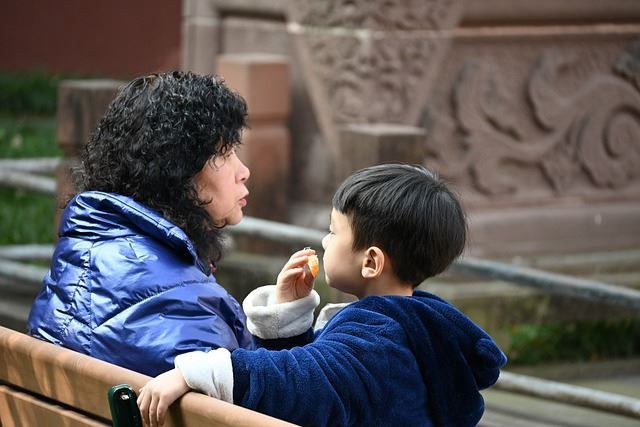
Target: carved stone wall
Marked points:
369	61
539	129
531	111
558	119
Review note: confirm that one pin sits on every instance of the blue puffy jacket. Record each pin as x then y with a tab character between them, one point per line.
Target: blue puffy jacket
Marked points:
126	286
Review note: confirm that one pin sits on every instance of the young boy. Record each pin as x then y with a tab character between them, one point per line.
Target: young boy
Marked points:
397	356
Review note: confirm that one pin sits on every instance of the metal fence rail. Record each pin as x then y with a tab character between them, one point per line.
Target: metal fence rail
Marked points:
27	181
550	282
277	231
22	272
26	174
39	165
571	394
34	252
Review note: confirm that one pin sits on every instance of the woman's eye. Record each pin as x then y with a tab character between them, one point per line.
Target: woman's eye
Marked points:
216	162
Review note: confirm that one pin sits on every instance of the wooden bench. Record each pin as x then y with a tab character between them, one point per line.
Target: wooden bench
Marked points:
45	385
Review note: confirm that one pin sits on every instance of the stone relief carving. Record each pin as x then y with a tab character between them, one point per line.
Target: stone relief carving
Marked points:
372	14
370	81
369	60
628	65
594	127
591	131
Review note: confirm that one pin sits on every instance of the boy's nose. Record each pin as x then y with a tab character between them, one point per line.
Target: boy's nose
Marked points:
325	240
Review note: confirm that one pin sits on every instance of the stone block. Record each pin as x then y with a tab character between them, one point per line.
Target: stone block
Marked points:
239	35
510	231
363	145
265	151
262	79
200	44
198	9
81	104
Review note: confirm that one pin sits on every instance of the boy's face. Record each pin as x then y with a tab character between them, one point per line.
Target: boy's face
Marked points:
342	266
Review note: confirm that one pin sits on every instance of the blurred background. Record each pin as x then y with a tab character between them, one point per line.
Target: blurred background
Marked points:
530	110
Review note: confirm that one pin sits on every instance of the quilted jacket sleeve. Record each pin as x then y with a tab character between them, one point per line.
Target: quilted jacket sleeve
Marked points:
149	335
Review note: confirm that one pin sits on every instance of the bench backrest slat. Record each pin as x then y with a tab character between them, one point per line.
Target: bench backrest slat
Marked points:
60	374
22	409
82	382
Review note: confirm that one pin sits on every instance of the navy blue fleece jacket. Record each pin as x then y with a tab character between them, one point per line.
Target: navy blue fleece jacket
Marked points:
386	360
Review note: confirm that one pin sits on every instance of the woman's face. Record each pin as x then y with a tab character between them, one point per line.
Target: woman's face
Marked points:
221	183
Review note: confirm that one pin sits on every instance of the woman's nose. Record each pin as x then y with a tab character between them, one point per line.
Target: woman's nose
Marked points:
243	171
325	240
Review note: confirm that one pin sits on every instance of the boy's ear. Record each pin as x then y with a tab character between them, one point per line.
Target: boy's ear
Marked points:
373	262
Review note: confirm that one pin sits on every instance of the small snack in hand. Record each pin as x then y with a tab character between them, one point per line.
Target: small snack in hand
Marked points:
313	264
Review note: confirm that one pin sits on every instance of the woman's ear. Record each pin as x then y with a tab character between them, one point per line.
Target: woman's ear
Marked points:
373	262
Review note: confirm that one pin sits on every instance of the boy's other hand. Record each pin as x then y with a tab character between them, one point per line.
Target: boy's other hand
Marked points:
156	396
294	281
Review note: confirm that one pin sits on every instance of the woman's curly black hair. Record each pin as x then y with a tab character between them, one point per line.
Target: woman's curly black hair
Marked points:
158	133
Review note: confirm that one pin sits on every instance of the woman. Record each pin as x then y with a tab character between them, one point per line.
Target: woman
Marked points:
131	280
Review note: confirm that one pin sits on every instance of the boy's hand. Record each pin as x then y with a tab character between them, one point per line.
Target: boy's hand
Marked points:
294	281
156	396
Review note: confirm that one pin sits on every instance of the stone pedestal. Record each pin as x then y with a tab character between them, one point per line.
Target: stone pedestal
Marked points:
363	145
263	80
369	61
200	30
81	103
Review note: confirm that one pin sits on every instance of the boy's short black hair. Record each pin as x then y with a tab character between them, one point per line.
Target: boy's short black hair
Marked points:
407	212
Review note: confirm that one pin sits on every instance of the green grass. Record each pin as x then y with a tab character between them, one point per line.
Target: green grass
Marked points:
32	92
23	136
27	217
28	92
584	341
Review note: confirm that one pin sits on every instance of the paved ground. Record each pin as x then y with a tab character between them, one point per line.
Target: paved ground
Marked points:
510	410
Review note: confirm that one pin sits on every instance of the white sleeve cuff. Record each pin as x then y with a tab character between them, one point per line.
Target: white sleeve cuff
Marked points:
210	373
327	313
268	320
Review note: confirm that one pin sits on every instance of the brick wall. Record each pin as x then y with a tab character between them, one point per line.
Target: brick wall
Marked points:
116	38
